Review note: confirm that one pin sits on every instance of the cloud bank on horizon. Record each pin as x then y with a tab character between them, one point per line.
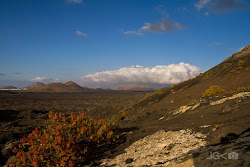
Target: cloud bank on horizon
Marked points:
160	74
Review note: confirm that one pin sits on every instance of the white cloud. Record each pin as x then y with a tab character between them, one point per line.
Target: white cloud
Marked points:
132	32
162	27
74	1
44	79
201	4
160	74
39	79
165	26
82	34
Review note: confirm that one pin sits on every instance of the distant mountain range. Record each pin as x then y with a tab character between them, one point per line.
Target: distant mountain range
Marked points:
59	87
71	86
8	87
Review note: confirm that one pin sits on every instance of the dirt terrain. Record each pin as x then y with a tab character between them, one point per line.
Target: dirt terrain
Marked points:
21	112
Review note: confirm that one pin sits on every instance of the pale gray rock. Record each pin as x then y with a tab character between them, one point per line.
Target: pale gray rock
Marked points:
159	148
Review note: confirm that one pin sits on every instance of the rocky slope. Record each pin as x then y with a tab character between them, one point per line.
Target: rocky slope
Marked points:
218	136
231	74
167	122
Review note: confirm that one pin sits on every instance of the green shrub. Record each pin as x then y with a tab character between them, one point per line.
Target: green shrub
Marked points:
159	91
148	95
114	121
59	143
192	103
208	74
243	89
214	90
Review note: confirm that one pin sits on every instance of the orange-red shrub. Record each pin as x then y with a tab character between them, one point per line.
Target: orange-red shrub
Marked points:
59	143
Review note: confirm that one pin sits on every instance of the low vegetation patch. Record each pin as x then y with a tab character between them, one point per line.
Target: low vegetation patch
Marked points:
208	74
226	65
243	89
232	71
214	90
157	92
64	141
192	103
240	89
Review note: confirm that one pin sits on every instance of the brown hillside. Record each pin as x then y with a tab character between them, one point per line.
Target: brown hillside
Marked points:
169	109
58	87
232	73
52	87
74	86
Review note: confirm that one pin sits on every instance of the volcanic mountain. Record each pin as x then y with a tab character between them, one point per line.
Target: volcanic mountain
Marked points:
134	87
171	107
59	87
34	85
232	73
75	86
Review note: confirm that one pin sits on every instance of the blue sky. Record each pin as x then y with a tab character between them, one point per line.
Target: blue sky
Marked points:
62	40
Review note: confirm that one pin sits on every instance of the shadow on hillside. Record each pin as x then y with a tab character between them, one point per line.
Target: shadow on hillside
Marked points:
233	150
